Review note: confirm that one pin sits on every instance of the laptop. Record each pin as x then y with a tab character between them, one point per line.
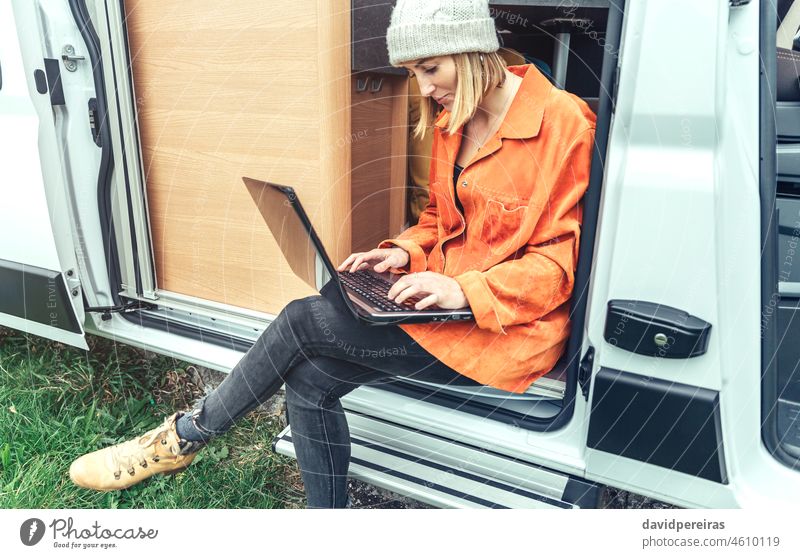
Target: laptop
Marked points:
364	291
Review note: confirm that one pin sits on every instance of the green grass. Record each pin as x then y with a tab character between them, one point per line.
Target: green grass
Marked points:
58	402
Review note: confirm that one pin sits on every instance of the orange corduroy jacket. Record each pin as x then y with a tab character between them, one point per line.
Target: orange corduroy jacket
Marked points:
515	248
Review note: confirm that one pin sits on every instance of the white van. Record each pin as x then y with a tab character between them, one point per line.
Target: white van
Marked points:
126	127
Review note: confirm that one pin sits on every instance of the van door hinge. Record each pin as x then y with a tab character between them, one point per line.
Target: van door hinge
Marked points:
73	283
127	307
585	372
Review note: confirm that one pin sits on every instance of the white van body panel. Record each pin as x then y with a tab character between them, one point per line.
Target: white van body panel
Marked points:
172	345
680	225
35	225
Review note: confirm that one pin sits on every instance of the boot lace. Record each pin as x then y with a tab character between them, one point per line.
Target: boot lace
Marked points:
125	455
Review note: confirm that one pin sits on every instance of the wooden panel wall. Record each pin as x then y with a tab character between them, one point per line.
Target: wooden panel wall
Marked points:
378	144
230	89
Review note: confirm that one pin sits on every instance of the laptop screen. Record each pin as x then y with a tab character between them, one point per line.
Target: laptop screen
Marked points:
289	224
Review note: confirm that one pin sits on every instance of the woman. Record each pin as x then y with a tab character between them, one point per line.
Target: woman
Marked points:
503	241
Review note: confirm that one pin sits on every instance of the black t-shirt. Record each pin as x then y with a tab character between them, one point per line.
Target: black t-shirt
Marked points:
456	172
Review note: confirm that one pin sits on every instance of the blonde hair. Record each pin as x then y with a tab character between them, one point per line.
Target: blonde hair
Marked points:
477	74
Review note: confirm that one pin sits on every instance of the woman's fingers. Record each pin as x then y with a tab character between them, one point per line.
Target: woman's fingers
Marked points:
357	263
405	293
362	258
429	300
390	257
359	260
348	260
388	262
430	290
354	261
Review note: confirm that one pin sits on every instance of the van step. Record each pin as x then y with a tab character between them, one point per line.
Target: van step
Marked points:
449	474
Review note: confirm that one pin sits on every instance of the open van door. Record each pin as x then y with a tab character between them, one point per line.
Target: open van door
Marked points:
675	317
39	288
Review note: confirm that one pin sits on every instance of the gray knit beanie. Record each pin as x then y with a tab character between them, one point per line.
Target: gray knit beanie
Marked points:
426	28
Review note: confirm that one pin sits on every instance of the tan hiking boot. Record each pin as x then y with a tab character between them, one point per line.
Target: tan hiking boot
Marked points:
123	465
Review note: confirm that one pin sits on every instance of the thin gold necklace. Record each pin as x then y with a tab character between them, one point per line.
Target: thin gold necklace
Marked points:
497	120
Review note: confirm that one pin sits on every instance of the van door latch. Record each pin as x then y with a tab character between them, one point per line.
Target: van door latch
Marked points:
70	58
585	372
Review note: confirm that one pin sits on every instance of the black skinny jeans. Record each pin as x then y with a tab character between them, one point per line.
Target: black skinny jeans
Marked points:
321	352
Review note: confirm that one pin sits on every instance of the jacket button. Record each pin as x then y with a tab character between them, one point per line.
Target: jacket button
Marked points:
464	183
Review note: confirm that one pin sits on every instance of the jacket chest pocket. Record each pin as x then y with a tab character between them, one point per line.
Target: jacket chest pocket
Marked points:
501	226
449	218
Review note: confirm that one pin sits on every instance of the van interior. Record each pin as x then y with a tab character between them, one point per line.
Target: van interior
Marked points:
787	118
221	93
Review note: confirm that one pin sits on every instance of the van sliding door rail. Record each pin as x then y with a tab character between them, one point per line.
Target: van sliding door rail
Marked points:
127	307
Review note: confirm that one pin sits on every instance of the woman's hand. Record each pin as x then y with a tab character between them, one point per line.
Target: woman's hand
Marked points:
442	290
389	257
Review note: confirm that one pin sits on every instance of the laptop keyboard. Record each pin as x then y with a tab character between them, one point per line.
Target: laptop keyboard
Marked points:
375	289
